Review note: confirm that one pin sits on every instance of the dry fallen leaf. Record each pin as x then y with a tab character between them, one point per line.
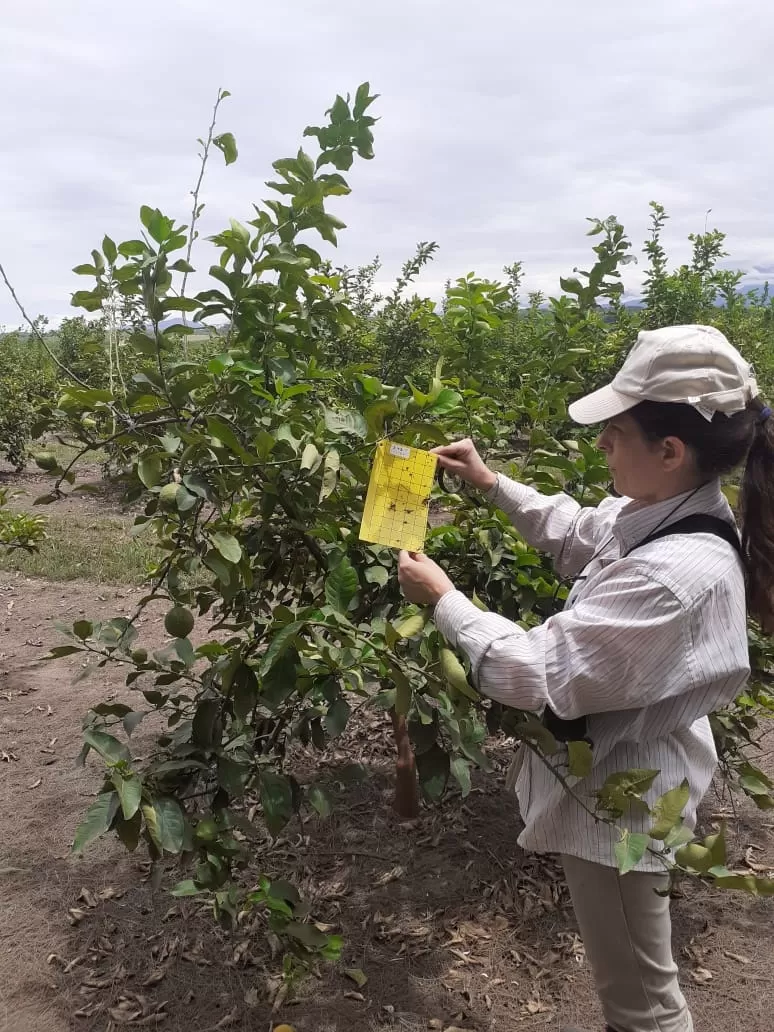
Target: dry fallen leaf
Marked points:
357	976
75	915
701	975
88	898
229	1019
155	977
354	996
390	876
749	859
737	957
37	783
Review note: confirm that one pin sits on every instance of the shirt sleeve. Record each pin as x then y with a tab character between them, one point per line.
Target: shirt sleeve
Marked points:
624	645
552	523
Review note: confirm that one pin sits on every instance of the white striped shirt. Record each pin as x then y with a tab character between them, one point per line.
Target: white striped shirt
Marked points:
646	647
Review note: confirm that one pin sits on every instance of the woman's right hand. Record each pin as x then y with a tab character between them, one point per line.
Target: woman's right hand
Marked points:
462	459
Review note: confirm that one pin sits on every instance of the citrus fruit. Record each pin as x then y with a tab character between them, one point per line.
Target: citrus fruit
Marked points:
695	856
46	460
168	497
179	622
139	655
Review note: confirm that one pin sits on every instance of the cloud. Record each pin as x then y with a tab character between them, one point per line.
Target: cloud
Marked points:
502	127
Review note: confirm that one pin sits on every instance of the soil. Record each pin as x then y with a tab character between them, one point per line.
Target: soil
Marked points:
449	921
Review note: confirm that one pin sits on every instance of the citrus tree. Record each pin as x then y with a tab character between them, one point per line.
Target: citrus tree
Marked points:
251	465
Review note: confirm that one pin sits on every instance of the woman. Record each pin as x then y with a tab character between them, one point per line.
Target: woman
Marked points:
652	639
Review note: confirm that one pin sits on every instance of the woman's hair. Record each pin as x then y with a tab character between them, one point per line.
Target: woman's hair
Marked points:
718	448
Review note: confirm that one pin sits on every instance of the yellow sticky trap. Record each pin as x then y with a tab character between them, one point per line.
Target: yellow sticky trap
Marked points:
398	498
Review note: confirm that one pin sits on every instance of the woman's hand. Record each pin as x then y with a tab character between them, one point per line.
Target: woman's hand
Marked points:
422	580
462	459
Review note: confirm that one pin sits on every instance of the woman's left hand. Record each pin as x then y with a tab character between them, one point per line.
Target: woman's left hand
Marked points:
422	580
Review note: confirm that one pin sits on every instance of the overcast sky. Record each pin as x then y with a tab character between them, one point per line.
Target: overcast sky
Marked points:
502	125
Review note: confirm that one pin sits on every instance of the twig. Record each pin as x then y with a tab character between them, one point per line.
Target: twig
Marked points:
37	332
563	782
195	210
350	852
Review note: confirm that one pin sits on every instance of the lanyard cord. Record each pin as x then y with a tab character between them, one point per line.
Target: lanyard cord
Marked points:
602	547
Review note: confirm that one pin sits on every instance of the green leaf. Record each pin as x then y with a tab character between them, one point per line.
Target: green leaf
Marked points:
307	934
129	792
282	640
97	821
227	437
330	478
228	546
206	723
341	585
165	823
109	249
108	747
345	421
447	401
320	800
310	457
668	809
149	470
363	100
129	831
59	651
226	143
232	776
460	771
581	759
433	768
132	720
132	248
376	574
337	716
276	800
630	850
622	791
82	629
454	672
188	887
412	625
244	690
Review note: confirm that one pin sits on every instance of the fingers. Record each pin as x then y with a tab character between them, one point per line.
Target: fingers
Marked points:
457	449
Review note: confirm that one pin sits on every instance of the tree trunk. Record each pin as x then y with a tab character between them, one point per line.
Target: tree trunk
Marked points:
406	787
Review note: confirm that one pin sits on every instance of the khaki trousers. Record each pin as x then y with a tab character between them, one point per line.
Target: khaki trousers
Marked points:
627	934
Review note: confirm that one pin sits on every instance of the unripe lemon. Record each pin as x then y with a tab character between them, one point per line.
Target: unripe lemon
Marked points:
139	655
46	460
168	497
284	1028
179	622
695	856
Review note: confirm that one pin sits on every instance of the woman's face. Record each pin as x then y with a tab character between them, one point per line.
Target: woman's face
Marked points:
648	471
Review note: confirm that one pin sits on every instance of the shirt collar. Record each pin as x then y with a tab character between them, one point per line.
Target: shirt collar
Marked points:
635	520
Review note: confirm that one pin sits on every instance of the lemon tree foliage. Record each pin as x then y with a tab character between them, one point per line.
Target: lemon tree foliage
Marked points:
251	462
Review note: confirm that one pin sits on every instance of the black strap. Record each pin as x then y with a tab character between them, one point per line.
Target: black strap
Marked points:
699	523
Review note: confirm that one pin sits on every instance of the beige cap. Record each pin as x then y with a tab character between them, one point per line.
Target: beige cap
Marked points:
695	365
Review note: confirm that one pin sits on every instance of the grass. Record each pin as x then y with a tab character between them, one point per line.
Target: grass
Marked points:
65	453
85	547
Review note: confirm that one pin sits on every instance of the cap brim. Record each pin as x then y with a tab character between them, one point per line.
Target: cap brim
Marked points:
601	405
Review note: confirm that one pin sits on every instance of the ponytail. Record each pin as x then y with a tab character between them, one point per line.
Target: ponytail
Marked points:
719	447
756	509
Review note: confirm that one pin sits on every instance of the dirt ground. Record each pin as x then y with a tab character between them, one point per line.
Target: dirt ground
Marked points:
450	923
